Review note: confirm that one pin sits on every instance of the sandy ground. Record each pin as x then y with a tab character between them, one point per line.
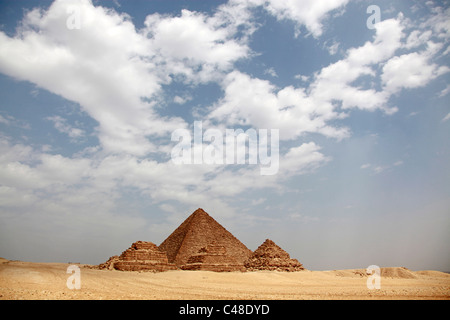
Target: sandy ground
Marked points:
28	280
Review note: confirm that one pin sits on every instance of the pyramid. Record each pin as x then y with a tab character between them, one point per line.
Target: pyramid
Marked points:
269	256
141	256
213	257
197	232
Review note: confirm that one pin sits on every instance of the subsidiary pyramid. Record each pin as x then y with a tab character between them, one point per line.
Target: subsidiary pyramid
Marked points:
270	256
141	256
198	231
213	257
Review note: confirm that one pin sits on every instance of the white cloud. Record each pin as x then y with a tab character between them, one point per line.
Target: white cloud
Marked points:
105	66
333	49
382	168
271	72
336	81
379	169
295	111
410	70
446	118
194	45
444	91
255	102
258	201
417	38
387	40
115	73
17	152
11	121
62	126
3	120
438	22
303	158
296	161
416	69
10	197
398	163
446	52
301	77
308	13
22	167
181	100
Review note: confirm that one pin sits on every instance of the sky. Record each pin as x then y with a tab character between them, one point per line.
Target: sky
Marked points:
357	91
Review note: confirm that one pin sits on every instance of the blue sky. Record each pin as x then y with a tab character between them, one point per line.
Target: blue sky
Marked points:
91	92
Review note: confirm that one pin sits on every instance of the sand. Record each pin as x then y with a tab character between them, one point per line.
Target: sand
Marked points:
29	280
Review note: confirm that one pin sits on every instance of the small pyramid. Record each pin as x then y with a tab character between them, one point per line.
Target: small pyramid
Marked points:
197	232
141	256
269	256
213	257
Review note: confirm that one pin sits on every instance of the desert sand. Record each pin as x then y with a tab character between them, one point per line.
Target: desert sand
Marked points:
31	280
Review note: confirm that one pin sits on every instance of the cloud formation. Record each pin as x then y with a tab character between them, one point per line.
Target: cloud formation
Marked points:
119	75
307	13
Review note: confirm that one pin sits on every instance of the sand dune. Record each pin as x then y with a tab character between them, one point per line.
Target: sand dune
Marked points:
28	280
400	273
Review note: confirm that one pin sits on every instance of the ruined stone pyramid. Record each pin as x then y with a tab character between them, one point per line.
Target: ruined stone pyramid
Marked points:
198	231
201	243
269	256
213	257
141	256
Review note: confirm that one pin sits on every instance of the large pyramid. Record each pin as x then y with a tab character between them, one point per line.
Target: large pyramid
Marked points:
198	231
269	256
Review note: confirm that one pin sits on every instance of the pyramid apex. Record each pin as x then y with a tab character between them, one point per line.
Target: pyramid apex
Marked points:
269	242
200	211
